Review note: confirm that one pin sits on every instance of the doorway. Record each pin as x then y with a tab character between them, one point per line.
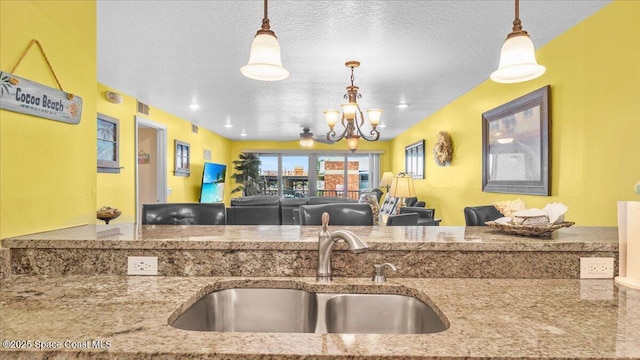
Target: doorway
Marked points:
151	164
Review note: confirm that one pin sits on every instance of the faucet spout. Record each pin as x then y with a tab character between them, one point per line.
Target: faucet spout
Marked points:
356	245
326	241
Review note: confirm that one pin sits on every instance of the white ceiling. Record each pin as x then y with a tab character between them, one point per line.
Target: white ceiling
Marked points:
426	53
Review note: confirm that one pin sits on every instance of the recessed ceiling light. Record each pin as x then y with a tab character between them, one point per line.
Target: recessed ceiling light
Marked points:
228	124
382	126
243	133
194	106
403	106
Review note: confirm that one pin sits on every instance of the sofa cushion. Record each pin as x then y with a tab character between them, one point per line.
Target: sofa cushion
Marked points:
183	214
255	210
254	215
410	201
256	200
339	214
288	207
425	215
406	219
478	215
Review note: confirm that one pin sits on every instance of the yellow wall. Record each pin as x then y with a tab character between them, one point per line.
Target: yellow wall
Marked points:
118	190
48	169
594	73
238	147
44	181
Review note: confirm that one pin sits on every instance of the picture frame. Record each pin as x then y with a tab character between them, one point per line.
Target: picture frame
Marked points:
182	158
414	159
516	146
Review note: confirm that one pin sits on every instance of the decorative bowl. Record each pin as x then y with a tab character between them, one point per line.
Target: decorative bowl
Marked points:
107	214
529	230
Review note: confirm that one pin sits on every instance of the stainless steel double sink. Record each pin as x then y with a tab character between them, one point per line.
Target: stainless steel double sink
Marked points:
300	311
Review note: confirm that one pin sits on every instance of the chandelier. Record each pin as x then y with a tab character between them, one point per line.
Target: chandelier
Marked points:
264	60
517	56
352	118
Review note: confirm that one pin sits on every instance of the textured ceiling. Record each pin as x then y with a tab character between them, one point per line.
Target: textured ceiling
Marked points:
170	54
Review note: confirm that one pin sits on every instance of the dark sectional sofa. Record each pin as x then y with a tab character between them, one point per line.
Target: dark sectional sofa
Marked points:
253	210
271	209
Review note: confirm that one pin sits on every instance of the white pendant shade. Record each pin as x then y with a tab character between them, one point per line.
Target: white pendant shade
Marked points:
517	61
264	61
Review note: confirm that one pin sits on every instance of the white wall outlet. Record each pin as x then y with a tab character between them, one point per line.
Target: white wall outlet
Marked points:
596	268
142	265
169	191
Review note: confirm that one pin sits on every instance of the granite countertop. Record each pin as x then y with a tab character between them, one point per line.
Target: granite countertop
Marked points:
295	237
489	318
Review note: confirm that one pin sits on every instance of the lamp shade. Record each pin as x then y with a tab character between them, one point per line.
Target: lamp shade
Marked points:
264	61
332	117
352	142
374	116
349	110
387	179
402	187
517	61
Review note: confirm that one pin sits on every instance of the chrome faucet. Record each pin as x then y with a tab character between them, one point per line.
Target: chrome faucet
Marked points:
326	241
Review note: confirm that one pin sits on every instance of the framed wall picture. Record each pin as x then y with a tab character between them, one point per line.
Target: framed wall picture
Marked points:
183	158
414	160
515	146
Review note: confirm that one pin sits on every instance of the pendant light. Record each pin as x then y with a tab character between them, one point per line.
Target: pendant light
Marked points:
264	61
517	57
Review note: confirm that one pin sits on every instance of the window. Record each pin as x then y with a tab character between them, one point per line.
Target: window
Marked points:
295	176
310	174
269	173
108	144
182	159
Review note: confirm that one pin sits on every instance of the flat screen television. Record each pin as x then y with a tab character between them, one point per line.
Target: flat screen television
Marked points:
212	189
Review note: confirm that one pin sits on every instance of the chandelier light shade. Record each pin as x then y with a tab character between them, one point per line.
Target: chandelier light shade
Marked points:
264	61
352	117
517	57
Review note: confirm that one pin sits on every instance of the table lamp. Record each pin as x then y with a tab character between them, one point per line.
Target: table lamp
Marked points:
402	187
386	180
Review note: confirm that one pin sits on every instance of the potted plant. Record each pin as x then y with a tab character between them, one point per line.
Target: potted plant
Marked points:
247	174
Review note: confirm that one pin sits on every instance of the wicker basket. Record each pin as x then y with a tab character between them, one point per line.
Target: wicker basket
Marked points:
529	230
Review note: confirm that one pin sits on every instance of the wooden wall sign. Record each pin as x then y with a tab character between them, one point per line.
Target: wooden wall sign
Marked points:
24	96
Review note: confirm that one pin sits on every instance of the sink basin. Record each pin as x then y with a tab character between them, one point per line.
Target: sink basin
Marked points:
252	310
380	314
299	311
